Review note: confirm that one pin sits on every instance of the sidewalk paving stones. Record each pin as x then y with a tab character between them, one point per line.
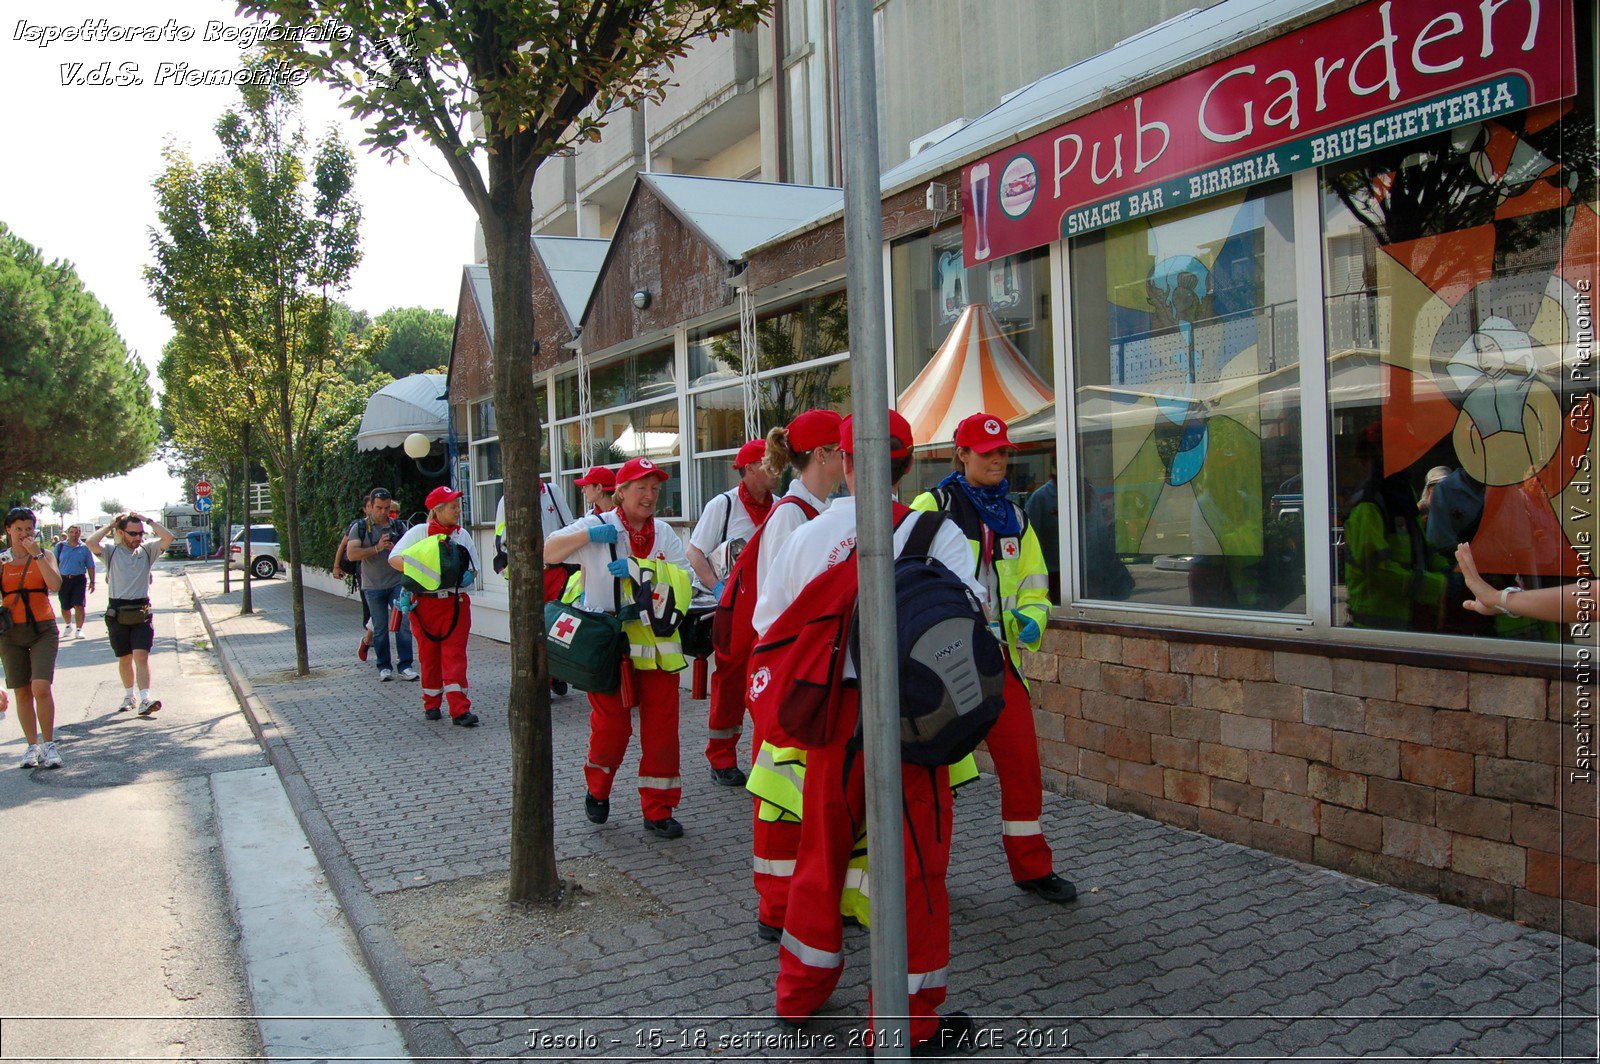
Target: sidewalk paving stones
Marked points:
1179	946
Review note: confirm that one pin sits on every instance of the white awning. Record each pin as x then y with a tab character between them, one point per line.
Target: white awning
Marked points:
411	404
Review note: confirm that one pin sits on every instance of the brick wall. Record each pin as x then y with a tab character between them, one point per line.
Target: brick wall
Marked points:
1435	779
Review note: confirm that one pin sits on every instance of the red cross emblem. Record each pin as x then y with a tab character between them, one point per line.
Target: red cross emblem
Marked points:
1009	547
564	630
758	681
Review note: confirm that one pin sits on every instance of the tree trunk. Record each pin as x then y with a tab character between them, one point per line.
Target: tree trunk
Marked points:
227	533
508	235
247	604
297	591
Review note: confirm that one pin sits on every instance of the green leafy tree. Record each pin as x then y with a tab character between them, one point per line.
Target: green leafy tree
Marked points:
111	505
63	502
77	402
419	340
249	249
498	88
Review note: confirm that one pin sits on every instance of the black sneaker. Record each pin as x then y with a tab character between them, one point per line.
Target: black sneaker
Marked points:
956	1033
559	687
729	777
596	809
666	828
768	933
1050	887
432	714
468	719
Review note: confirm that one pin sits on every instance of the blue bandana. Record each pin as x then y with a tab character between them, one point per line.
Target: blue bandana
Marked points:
993	504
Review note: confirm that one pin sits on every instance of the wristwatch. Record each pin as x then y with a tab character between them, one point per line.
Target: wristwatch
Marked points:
1504	595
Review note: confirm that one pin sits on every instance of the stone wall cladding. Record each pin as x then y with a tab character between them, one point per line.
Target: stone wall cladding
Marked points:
1446	781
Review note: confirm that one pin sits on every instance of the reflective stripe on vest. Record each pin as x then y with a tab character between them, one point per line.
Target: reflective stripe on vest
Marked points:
810	956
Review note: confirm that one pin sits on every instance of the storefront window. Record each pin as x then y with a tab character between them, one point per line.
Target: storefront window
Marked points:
638	432
719	420
714	356
632	379
484	423
932	288
785	396
1187	403
1459	274
566	396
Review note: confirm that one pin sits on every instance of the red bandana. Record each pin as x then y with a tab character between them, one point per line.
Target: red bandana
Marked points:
757	510
436	529
642	540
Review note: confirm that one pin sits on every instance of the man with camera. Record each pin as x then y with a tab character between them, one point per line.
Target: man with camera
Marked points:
369	542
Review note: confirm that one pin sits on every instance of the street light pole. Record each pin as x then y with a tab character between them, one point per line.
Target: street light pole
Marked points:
869	378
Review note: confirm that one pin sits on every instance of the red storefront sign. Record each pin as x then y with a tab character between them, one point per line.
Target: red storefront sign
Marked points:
1371	76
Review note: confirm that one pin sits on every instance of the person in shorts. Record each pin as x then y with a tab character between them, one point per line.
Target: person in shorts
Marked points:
128	559
369	541
75	562
28	645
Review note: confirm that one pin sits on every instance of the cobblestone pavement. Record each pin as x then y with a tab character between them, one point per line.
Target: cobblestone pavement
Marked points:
1180	946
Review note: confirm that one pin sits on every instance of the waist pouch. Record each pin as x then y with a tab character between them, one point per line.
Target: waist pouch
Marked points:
129	616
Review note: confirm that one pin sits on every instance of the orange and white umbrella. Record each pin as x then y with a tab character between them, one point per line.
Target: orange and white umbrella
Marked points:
976	368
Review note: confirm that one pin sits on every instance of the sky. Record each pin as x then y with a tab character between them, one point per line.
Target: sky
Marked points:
80	158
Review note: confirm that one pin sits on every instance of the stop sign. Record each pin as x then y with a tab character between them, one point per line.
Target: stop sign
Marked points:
202	489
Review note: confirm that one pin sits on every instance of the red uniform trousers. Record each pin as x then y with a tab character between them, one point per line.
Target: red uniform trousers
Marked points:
610	727
443	663
555	582
725	719
811	955
1014	745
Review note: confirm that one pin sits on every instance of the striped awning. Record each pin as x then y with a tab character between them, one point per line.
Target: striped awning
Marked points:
976	368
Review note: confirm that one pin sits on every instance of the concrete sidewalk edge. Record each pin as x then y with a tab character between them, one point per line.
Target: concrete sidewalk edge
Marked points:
426	1032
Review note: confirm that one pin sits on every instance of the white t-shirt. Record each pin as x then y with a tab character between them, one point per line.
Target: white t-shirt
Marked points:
725	519
419	532
599	586
782	523
825	542
553	515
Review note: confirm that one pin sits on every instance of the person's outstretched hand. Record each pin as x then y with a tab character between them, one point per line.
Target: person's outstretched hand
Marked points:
1486	599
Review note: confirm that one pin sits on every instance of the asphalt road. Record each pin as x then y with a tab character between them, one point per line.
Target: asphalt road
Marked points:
118	938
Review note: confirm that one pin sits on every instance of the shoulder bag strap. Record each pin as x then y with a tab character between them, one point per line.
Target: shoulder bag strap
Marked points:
727	514
923	530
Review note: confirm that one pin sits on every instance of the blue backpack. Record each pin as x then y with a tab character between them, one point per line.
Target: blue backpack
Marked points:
952	668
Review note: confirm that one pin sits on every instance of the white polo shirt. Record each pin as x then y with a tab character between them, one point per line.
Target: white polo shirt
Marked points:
828	540
724	519
553	515
782	523
599	586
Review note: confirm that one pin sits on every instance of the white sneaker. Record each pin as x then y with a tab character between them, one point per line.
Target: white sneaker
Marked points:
30	759
410	674
127	704
384	675
148	706
50	757
68	633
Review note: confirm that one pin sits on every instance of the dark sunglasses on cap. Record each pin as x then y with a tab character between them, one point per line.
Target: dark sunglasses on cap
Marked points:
19	513
380	493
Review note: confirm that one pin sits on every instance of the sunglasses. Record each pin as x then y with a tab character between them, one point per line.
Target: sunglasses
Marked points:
132	534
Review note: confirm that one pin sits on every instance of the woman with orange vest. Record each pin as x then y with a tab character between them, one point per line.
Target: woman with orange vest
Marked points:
616	550
1009	564
809	444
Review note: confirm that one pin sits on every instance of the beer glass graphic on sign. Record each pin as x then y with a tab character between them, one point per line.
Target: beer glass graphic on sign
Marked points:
980	211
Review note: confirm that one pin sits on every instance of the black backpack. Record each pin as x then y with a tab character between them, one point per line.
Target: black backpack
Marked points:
952	668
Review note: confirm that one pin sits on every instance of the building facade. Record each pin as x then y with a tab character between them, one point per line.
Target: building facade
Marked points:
1283	299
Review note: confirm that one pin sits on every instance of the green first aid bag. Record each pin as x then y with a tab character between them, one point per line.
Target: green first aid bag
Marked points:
585	649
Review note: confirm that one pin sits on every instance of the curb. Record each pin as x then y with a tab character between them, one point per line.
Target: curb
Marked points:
426	1032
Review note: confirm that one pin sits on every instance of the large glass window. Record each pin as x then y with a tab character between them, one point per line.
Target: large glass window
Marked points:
1187	404
932	287
1458	276
632	379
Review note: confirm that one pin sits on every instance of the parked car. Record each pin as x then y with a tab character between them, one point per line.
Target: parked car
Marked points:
266	559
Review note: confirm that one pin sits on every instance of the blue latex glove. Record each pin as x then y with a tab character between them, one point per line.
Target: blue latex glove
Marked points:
1027	627
603	533
716	592
469	579
619	567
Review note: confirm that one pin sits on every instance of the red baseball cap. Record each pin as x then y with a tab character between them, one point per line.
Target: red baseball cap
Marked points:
983	433
813	429
439	496
599	475
899	433
750	454
638	469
